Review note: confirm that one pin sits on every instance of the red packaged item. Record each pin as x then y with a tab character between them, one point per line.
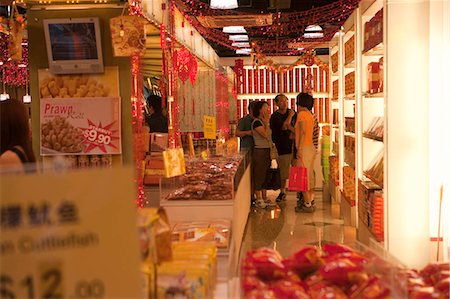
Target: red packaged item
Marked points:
342	272
373	77
431	273
352	256
331	249
424	293
266	263
288	290
327	292
443	286
260	294
304	262
373	288
249	283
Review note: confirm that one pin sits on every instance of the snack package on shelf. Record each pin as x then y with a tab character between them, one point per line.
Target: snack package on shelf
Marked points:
334	169
349	188
217	230
366	193
350	84
154	235
376	170
331	271
335	90
350	124
349	49
373	77
335	62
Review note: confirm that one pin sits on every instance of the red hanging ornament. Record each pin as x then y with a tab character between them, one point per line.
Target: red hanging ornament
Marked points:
193	69
183	63
309	58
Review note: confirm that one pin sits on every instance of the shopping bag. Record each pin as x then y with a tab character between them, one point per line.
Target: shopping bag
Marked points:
298	178
273	179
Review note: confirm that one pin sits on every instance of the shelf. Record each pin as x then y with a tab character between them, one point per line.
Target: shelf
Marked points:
335	126
352	203
335	74
350	65
350	97
377	50
370	136
350	134
373	180
379	95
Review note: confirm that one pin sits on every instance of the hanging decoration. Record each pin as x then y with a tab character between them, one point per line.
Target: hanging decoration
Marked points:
308	58
16	27
239	71
222	104
186	65
127	35
284	25
15	73
137	107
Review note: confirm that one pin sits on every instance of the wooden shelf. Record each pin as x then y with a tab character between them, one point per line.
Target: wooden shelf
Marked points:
373	95
352	203
348	133
350	65
335	74
349	97
377	50
372	179
370	136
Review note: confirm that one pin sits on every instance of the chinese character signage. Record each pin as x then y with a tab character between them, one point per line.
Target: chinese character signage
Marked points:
80	114
209	127
69	235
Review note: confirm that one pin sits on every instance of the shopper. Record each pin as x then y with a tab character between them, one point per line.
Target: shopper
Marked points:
261	152
244	129
15	145
280	124
306	151
156	120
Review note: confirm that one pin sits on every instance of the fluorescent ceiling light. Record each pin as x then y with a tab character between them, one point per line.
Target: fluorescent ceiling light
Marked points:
234	29
241	44
245	51
313	35
313	28
239	38
223	4
4	96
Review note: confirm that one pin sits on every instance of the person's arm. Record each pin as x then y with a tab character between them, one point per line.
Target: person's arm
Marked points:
241	133
261	129
299	136
287	123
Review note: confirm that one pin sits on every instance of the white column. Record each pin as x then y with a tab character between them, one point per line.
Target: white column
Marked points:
407	119
439	114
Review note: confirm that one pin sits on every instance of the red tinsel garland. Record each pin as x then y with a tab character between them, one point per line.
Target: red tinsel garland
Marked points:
14	73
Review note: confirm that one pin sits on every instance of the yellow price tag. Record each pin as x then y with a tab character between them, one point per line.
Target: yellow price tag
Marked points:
209	127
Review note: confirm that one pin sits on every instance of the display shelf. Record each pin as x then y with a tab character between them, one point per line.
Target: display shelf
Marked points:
348	212
349	133
350	97
365	235
379	95
379	183
350	65
377	50
335	74
370	136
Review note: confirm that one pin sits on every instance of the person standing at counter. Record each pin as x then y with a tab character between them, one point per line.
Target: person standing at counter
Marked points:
306	151
244	129
155	119
261	152
280	124
15	145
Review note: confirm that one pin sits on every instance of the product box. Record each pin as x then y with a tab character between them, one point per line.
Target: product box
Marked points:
373	77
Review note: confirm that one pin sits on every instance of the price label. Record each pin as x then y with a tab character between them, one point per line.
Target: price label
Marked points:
95	137
57	242
209	127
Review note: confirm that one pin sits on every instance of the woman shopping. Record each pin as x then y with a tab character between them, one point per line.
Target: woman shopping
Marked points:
261	152
306	151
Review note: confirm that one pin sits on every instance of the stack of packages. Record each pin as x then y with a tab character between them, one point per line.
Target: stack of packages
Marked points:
325	153
178	270
217	231
338	271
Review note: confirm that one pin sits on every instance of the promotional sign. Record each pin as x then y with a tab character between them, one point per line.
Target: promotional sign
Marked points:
80	113
80	126
209	127
69	235
174	164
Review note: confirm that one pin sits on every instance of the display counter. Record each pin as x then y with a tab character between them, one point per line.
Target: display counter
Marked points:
214	188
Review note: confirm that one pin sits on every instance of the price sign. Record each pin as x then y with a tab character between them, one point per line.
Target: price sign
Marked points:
209	127
69	235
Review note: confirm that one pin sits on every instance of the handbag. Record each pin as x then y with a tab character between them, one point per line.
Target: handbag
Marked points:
298	178
273	179
273	150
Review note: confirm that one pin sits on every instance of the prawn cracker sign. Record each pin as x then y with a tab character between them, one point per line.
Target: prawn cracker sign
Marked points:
80	126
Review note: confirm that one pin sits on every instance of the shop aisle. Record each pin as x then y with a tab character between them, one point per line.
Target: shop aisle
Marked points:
283	229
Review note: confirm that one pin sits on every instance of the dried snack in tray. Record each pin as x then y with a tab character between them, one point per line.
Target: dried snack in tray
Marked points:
288	289
266	263
59	135
304	262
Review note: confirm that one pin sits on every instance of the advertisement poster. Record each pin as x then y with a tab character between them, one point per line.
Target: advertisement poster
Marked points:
80	114
74	241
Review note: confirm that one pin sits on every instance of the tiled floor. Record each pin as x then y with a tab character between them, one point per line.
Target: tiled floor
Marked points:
285	230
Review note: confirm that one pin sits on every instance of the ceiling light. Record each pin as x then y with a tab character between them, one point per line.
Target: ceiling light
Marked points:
239	38
223	4
313	35
234	29
313	28
245	51
27	98
4	96
241	44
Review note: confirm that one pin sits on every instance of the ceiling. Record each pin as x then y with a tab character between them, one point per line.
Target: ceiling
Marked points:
274	27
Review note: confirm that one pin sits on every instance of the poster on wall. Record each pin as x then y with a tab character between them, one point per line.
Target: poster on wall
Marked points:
80	114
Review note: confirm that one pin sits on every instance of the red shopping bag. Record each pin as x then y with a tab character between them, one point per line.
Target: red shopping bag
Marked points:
298	178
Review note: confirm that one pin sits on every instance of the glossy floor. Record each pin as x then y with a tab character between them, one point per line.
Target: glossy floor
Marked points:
285	230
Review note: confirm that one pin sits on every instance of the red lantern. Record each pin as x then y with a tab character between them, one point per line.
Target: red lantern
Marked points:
193	69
